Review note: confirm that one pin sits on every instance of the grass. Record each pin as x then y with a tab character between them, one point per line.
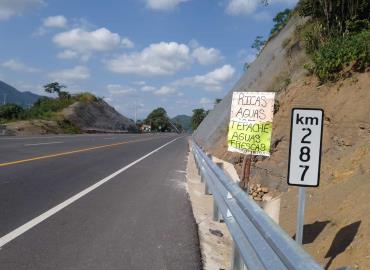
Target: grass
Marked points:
333	56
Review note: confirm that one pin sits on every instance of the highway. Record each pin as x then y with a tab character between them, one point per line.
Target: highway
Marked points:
105	201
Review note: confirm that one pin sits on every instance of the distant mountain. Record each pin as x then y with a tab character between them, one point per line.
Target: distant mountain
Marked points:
12	95
183	120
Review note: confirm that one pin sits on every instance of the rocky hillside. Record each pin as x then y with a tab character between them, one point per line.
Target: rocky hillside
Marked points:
337	225
85	114
97	116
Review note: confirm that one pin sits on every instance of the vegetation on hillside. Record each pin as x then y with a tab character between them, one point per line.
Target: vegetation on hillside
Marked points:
197	117
46	108
183	122
158	120
337	37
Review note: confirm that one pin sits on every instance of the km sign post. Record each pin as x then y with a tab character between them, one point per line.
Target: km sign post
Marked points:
304	156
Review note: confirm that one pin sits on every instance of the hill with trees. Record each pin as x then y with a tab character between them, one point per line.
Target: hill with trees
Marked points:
67	113
184	121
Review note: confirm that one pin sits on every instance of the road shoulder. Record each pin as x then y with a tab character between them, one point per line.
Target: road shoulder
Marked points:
215	247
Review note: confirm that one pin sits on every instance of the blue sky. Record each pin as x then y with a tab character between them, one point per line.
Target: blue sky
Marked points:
178	54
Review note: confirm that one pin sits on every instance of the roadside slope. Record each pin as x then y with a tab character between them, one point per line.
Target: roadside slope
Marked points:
337	220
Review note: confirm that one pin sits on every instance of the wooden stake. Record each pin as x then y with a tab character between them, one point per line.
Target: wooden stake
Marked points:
246	171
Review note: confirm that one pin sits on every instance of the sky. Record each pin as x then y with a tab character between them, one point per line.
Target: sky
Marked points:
143	54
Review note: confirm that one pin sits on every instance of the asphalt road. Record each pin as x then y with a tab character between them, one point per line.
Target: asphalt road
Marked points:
96	202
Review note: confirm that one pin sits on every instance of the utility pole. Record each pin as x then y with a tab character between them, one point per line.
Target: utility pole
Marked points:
4	100
135	118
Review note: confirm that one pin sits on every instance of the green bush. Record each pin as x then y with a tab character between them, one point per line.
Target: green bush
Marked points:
47	108
340	52
68	127
85	97
280	20
10	111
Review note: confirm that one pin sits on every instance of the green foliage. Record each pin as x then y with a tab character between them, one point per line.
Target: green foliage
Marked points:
197	117
158	120
312	35
68	127
280	20
85	97
46	108
337	36
10	112
340	52
258	43
55	87
335	14
183	120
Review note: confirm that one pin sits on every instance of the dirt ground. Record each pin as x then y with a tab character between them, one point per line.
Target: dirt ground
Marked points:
33	127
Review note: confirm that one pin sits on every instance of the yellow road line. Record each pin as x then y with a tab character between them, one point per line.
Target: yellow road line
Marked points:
72	152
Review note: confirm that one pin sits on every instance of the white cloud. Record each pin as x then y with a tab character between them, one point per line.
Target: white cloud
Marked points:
68	54
10	8
205	101
55	22
18	66
212	81
242	7
157	59
86	42
163	4
74	74
108	99
207	56
166	91
148	88
117	89
140	83
127	43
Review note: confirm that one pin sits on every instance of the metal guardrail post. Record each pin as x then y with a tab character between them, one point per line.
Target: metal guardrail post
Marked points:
237	261
216	215
206	189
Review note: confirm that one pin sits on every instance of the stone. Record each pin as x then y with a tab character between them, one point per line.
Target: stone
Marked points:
218	233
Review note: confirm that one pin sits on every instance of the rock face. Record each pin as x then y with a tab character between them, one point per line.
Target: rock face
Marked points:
97	116
268	72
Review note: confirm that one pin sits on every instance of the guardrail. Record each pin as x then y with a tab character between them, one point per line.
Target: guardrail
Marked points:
259	243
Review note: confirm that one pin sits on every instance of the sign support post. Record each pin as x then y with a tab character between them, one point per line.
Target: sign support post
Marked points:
300	215
304	157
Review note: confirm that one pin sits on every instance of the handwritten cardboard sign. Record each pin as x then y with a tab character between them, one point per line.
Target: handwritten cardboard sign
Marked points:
250	126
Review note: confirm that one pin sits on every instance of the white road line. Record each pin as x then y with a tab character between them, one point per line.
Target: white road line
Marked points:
37	220
59	136
35	144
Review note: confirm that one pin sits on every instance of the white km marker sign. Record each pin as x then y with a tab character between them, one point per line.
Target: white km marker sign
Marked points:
304	156
305	147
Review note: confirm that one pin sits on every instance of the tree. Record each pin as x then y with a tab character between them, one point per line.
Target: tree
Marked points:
197	117
336	14
218	100
158	120
10	111
280	20
258	43
55	87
